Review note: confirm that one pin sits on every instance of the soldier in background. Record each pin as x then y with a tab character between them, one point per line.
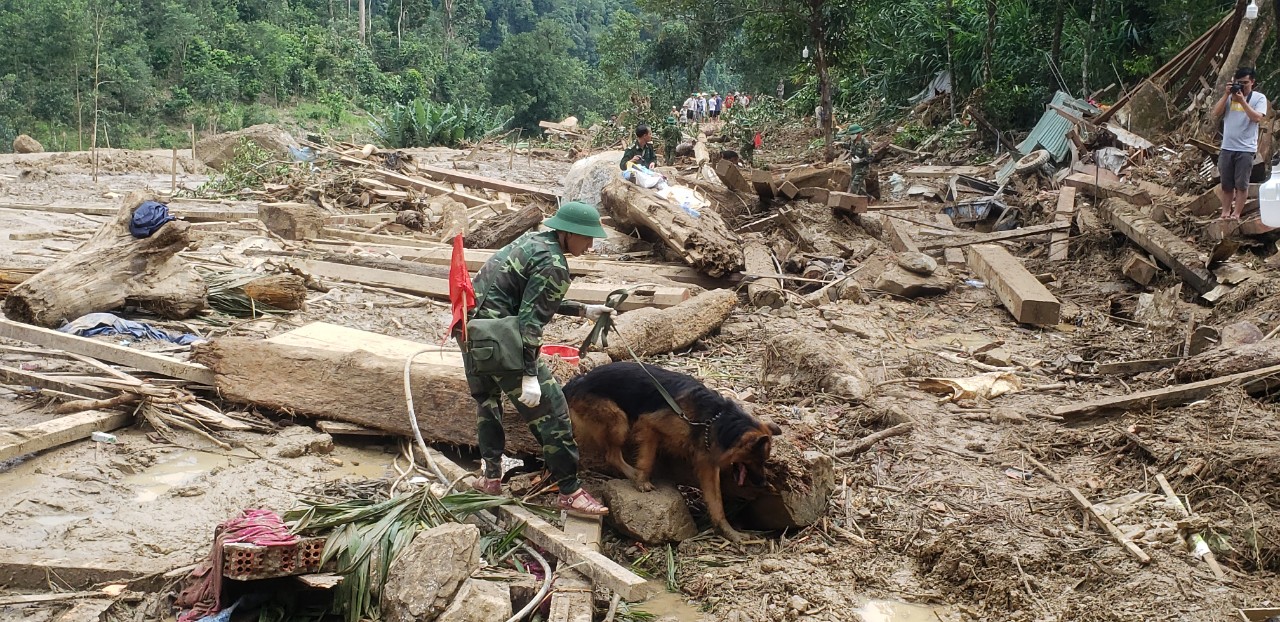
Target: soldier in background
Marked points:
859	158
671	136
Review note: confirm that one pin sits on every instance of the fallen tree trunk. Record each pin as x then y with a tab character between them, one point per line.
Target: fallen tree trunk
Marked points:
762	292
357	387
1169	249
110	269
1225	362
500	231
651	331
282	291
703	241
806	363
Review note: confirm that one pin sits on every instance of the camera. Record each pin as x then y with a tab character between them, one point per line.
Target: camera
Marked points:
1237	87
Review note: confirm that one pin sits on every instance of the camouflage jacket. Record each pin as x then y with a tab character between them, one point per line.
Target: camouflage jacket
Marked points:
528	278
648	158
859	153
671	136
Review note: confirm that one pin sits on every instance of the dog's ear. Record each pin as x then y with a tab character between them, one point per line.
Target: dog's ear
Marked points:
773	428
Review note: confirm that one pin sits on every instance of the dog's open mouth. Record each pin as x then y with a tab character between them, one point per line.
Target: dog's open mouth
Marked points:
740	473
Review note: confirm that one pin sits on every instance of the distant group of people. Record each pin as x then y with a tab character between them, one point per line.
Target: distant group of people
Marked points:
703	106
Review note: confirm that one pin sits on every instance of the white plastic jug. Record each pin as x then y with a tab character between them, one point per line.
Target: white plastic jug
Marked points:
1269	199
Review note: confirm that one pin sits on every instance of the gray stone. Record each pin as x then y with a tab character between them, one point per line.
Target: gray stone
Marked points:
650	517
900	282
588	176
218	150
918	263
298	440
999	357
428	573
479	601
1239	334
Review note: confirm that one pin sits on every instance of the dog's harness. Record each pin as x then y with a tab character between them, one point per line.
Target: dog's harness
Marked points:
600	333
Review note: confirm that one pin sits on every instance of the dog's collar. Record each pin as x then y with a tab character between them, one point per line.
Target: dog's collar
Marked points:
706	429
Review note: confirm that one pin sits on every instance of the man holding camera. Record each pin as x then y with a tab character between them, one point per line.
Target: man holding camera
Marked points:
1241	109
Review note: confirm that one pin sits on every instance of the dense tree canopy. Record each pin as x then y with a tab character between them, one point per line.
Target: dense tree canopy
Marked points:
159	66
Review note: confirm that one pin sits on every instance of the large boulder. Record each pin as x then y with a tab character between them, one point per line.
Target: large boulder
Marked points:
651	517
427	574
27	144
588	176
479	601
217	150
907	284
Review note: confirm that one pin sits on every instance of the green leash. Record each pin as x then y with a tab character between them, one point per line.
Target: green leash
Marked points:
600	334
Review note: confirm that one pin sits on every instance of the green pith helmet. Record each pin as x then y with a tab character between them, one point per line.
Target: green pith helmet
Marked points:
577	217
853	128
671	120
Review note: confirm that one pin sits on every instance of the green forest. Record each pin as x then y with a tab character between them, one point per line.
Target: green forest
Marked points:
154	68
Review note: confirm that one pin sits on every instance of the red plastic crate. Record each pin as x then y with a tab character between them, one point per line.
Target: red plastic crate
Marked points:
247	562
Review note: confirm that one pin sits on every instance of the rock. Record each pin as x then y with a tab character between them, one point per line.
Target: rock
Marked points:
298	440
918	263
217	150
1204	338
425	576
479	601
27	144
683	149
1239	334
588	176
999	357
798	604
900	282
617	243
791	506
650	517
772	565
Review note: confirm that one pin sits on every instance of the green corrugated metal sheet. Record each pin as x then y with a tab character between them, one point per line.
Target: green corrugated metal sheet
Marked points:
1050	133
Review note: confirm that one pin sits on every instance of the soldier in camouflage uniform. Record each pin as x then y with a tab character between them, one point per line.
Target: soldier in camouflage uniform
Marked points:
671	137
859	159
529	278
746	141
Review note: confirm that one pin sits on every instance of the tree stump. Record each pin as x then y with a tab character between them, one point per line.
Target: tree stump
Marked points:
111	269
499	231
282	291
704	242
762	292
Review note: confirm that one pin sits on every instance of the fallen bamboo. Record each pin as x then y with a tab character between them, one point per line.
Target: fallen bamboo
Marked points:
1192	540
871	439
1109	527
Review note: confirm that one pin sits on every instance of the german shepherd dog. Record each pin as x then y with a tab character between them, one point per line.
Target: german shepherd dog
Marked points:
614	402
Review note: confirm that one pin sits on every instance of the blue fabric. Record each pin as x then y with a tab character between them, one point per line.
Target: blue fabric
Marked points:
109	324
148	218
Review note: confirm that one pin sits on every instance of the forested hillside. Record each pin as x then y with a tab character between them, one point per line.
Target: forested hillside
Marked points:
160	66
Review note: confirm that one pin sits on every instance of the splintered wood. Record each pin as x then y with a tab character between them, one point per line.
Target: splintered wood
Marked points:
1026	298
1066	212
702	241
1164	245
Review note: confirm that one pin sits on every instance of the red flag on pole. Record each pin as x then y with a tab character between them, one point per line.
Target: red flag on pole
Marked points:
462	295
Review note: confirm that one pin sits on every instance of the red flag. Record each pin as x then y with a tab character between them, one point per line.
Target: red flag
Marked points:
462	295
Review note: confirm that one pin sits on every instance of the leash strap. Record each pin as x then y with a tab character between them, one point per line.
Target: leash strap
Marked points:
600	334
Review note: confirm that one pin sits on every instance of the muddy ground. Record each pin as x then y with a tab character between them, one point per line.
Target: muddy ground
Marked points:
949	523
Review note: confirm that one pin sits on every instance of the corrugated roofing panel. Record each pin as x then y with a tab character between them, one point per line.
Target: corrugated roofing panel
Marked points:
1050	133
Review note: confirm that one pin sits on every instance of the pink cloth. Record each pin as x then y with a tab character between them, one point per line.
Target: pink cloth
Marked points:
203	594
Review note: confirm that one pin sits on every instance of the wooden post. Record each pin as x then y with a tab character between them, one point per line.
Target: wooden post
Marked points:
762	292
953	257
193	141
1066	212
1024	296
173	174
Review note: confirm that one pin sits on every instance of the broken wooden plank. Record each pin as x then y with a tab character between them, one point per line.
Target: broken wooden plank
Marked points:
815	194
1167	248
1168	396
953	257
193	214
381	238
17	377
16	442
1120	368
20	570
1207	204
1100	189
762	292
1139	268
490	183
847	203
898	234
762	182
1190	538
1253	227
1109	527
106	351
591	293
998	236
435	189
602	571
1066	212
731	176
944	172
31	599
1026	298
342	428
87	610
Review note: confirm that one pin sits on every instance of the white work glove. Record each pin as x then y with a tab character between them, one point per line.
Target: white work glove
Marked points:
593	312
530	391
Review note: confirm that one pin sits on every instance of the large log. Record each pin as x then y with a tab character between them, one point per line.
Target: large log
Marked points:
1215	363
110	269
500	231
762	292
1164	245
828	177
703	241
652	331
805	362
358	387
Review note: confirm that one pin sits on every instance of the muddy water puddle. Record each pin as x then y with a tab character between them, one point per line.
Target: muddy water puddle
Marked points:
894	611
182	467
670	607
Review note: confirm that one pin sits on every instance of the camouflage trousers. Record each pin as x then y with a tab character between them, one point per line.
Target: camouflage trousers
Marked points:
669	155
548	421
858	179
